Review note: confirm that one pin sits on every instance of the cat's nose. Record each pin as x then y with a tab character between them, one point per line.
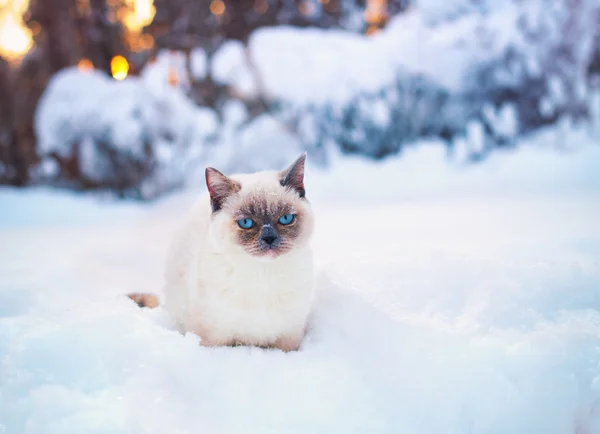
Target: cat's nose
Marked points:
269	239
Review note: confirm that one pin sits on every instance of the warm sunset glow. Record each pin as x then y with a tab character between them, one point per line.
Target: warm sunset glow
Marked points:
144	11
140	13
136	15
173	77
376	11
15	38
261	6
217	7
119	67
306	8
146	42
372	30
85	65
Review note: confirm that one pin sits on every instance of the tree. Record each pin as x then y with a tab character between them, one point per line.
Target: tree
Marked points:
64	32
9	160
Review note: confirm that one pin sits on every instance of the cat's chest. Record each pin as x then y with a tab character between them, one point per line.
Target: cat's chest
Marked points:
251	298
248	280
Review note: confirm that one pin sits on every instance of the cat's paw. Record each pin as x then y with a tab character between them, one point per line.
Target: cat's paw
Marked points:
288	343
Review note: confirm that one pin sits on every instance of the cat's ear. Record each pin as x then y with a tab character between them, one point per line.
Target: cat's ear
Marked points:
220	187
293	176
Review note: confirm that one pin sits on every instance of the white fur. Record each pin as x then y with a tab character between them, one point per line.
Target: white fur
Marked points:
220	292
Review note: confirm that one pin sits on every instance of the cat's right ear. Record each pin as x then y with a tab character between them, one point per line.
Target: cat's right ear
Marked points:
220	187
293	176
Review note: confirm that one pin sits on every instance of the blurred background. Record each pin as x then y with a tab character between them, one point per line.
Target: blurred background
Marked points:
135	97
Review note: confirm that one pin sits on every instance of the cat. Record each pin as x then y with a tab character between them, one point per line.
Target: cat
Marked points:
241	269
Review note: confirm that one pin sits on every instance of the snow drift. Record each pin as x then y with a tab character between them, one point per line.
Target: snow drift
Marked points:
476	312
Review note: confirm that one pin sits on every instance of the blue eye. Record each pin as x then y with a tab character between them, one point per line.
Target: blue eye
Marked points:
245	223
286	219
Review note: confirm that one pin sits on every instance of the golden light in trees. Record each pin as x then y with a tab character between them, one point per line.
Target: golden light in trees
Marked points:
85	65
35	28
144	11
119	67
173	77
261	6
136	15
83	7
372	30
306	8
146	42
375	15
217	7
15	38
139	13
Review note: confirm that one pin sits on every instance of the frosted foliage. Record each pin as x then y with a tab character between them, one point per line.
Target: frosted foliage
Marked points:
123	133
438	10
207	122
476	137
229	65
91	162
595	110
262	144
234	114
76	105
199	63
503	122
546	62
514	66
168	65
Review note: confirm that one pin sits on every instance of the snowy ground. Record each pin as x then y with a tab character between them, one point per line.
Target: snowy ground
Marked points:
448	303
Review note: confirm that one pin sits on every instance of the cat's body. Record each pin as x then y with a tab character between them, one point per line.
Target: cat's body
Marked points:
228	285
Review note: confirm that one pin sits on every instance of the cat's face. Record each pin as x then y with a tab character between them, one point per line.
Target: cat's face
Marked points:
264	214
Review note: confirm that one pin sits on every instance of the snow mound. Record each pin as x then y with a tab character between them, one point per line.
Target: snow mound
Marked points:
549	163
314	66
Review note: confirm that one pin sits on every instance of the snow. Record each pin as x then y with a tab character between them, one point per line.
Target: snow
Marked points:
198	63
537	167
449	64
89	116
101	116
449	301
230	66
314	66
156	73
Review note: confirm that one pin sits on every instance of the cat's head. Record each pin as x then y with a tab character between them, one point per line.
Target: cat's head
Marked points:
264	214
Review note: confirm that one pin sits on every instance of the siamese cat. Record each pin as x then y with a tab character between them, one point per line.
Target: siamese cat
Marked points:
241	269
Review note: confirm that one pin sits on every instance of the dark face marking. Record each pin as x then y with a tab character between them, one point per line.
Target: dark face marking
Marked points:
267	237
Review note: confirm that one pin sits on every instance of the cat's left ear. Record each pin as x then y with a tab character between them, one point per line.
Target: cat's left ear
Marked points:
293	176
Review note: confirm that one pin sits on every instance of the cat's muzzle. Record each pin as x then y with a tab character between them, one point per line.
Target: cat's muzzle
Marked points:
269	238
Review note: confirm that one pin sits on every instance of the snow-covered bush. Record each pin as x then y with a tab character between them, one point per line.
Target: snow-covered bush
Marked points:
381	123
249	145
506	66
119	135
142	137
365	95
544	70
